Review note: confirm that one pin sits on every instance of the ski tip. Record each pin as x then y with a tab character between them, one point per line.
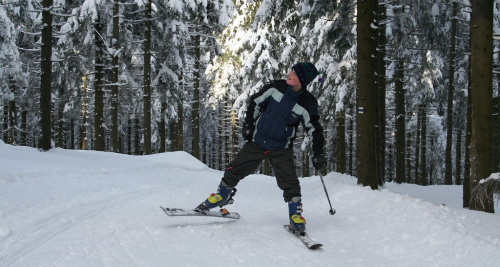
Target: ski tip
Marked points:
164	209
168	211
310	244
315	246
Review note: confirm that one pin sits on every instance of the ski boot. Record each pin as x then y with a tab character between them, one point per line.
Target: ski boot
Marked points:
297	222
223	197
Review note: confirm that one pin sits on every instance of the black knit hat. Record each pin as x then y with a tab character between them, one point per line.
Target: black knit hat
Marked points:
306	72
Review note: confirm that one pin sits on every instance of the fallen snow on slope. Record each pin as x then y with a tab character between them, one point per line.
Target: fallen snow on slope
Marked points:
87	208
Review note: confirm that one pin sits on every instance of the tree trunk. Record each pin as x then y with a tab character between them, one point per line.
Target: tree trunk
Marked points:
147	80
120	142
53	121
204	151
196	95
458	158
24	124
179	124
98	84
115	43
137	144
381	84
267	167
163	130
466	187
451	88
341	153
46	77
305	165
400	123
496	134
227	130
423	173
13	112
5	121
60	118
390	159
234	128
84	113
72	138
417	147
496	128
180	127
431	165
366	149
408	156
12	122
221	136
481	99
173	134
351	145
325	166
129	136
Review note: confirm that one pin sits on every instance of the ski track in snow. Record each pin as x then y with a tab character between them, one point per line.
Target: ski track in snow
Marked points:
45	229
56	212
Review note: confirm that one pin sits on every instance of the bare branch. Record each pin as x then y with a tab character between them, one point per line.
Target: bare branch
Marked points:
484	191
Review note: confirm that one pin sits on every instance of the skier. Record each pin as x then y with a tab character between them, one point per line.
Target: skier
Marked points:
270	125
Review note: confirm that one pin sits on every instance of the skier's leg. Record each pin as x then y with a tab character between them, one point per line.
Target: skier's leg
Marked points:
286	177
284	169
246	162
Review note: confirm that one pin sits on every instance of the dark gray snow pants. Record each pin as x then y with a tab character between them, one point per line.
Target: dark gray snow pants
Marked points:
251	156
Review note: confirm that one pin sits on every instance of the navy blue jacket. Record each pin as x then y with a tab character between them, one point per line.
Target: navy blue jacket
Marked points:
276	111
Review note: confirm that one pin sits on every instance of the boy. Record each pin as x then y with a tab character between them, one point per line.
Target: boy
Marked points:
270	125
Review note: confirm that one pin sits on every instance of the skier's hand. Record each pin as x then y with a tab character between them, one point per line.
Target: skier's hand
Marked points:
318	161
247	131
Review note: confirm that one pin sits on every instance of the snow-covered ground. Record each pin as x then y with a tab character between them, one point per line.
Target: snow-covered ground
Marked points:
87	208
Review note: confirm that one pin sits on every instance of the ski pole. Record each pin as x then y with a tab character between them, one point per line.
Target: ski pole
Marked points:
332	210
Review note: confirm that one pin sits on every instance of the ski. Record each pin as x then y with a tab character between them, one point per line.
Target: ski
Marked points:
223	213
310	244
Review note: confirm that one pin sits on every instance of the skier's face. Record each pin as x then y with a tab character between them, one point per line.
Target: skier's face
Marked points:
293	79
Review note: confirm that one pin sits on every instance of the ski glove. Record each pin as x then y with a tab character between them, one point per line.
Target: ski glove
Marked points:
318	161
247	131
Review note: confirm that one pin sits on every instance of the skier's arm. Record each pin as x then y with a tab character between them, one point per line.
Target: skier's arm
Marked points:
314	130
258	103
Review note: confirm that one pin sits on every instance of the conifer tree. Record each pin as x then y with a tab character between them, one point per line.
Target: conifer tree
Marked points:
451	88
46	78
365	97
115	52
481	101
10	73
147	79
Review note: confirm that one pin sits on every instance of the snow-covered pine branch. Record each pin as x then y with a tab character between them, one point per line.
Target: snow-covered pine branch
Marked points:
486	187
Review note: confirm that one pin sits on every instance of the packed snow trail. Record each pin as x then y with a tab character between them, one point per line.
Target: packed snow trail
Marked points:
87	208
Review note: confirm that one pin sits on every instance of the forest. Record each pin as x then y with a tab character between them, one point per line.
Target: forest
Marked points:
408	90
